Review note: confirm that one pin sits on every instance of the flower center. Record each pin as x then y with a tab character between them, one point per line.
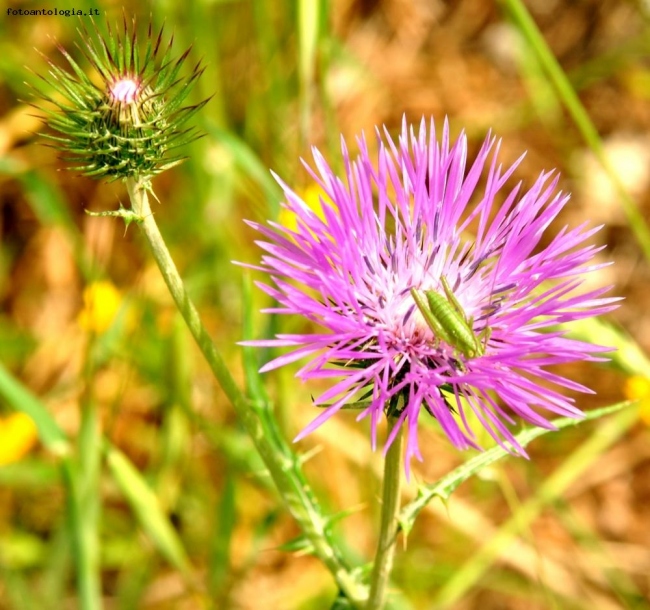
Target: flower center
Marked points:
124	90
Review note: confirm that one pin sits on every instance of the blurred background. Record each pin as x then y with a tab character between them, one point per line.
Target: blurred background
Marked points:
280	84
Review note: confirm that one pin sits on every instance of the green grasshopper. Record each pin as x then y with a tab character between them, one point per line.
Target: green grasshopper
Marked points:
446	318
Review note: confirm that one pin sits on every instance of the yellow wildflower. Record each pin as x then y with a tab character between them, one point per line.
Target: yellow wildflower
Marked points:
311	196
638	388
101	301
18	435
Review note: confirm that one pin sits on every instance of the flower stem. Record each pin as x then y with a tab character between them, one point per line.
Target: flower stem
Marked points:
389	522
282	462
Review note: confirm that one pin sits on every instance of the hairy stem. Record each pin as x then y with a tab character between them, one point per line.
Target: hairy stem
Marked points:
281	461
389	523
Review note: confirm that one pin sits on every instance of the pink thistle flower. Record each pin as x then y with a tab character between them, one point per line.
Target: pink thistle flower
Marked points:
403	223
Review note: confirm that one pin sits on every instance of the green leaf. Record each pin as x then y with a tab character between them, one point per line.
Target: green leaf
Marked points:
21	399
146	506
444	487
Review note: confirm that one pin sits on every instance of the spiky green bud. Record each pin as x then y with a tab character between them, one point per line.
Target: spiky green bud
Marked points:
127	120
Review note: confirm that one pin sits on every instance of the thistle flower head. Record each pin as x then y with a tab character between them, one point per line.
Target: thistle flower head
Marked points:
127	120
435	295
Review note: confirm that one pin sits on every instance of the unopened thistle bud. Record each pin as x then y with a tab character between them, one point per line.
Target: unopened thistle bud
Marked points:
127	120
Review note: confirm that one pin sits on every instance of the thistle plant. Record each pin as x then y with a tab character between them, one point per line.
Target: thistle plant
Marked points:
420	318
416	316
433	290
129	127
127	120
